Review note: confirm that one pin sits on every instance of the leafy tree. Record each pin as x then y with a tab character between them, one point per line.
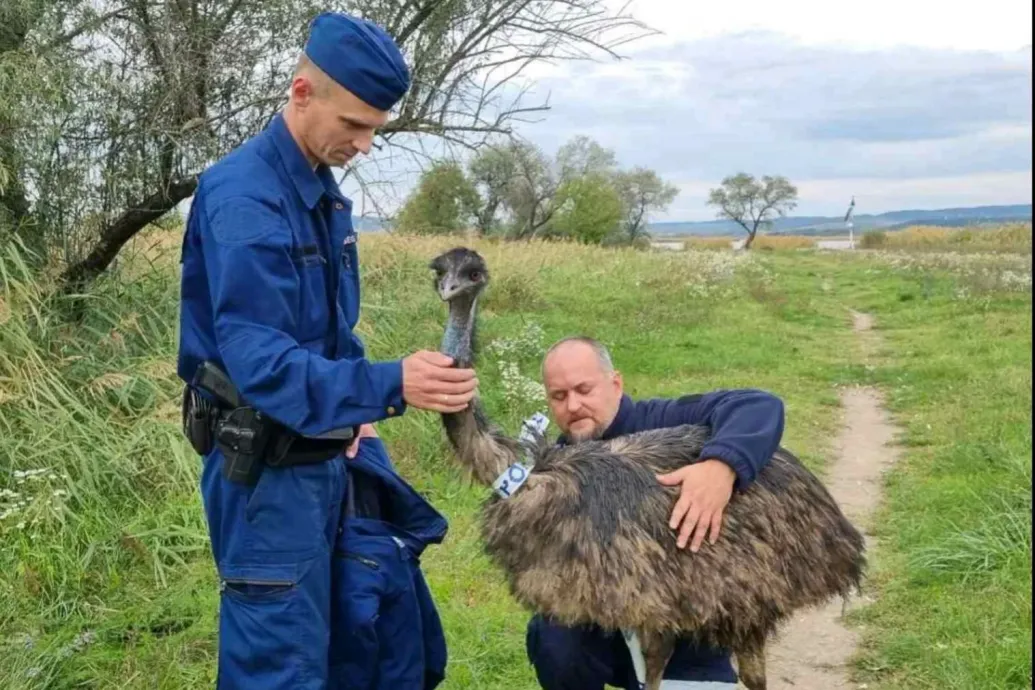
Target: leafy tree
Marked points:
753	203
588	209
531	195
642	192
443	203
492	171
147	93
584	156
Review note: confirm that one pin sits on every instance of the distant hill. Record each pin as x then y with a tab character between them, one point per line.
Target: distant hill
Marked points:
892	220
821	225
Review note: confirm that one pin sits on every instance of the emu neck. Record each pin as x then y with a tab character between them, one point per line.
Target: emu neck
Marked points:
478	446
457	341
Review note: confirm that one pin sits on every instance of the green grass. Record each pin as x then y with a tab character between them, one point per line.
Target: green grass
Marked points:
121	556
954	577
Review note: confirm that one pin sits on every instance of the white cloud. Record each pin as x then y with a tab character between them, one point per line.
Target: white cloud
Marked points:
901	103
874	24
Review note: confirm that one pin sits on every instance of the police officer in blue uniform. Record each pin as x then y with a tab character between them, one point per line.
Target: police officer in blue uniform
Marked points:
586	399
280	394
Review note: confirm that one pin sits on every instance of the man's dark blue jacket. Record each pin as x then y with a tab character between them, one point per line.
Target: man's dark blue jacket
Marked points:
746	425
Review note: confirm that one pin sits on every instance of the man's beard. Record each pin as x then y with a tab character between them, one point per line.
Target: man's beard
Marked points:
594	434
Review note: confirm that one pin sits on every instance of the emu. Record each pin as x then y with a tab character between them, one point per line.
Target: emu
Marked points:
585	538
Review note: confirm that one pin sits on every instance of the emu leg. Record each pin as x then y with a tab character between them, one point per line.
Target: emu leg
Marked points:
657	650
751	665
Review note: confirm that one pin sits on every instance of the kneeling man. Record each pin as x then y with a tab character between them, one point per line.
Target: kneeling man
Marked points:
587	401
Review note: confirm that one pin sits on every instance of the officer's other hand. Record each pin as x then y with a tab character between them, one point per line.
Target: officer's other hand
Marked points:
430	382
365	431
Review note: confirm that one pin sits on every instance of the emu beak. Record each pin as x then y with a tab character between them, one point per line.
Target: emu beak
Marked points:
447	291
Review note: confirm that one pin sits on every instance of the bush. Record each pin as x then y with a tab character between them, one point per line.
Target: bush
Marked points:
873	239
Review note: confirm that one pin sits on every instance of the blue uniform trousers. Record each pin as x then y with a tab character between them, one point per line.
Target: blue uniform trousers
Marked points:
311	599
587	658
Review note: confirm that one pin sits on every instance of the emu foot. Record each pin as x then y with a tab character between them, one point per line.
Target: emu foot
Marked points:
751	666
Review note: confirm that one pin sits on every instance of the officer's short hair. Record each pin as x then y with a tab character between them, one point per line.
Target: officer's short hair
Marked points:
320	79
603	356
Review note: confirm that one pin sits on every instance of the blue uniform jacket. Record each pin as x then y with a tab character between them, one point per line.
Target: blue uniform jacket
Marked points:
270	290
390	636
746	425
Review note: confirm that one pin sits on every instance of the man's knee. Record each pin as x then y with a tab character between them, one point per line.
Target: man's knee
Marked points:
569	658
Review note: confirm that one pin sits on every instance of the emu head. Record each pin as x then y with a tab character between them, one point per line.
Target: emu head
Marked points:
459	272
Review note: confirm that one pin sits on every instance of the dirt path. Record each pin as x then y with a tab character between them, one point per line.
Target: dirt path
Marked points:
813	650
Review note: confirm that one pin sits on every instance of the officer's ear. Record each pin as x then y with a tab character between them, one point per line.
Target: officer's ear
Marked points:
301	90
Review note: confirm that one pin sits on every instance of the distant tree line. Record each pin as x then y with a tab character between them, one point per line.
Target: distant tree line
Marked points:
514	191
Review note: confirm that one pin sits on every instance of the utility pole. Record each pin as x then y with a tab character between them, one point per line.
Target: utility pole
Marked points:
849	225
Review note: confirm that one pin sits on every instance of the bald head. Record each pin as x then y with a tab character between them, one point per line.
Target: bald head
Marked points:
583	389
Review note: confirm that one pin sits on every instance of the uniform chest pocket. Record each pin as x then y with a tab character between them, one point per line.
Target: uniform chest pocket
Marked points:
313	307
348	284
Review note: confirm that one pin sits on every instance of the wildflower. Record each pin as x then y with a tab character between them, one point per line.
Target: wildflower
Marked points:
517	388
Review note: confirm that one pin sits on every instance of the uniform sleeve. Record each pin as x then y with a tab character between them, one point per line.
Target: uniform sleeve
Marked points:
255	293
747	426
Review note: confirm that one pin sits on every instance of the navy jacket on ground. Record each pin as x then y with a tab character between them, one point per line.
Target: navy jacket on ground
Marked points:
388	635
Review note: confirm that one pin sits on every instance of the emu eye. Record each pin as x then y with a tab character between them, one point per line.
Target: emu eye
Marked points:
475	275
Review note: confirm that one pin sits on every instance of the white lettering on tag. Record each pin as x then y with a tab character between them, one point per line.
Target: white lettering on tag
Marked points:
512	479
533	426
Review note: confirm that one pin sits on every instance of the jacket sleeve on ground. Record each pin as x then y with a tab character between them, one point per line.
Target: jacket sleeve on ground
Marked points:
255	292
746	427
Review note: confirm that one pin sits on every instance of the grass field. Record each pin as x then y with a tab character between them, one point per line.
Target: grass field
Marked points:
106	580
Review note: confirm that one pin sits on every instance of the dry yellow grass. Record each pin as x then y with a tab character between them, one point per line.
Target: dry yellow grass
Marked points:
1011	237
767	242
708	242
784	242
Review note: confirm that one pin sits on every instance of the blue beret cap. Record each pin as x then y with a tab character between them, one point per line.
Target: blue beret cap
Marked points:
360	56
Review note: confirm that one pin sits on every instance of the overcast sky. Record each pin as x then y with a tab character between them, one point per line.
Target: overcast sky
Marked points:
904	104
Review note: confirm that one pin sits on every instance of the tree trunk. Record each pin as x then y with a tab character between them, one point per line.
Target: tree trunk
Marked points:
118	233
751	235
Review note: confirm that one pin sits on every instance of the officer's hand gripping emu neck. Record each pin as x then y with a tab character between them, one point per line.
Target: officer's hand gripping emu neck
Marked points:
586	540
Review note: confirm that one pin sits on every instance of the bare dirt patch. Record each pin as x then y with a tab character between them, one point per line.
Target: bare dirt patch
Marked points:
814	650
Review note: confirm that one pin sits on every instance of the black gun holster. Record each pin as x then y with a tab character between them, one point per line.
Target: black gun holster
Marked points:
248	440
240	433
